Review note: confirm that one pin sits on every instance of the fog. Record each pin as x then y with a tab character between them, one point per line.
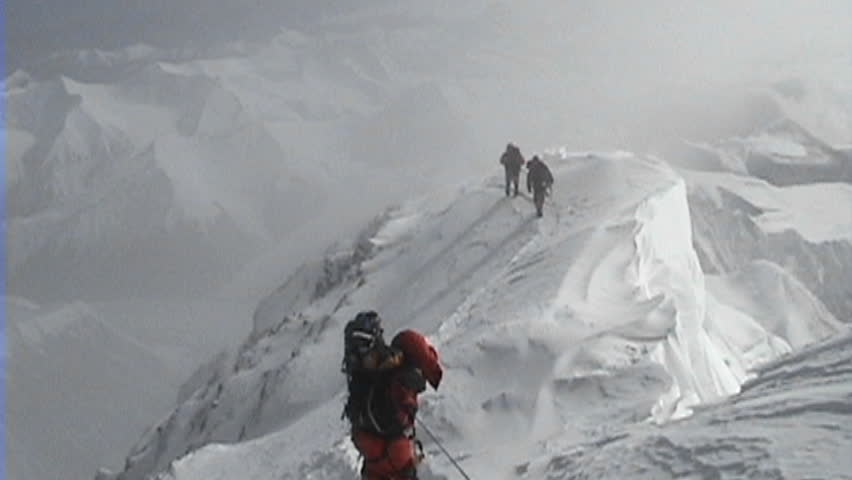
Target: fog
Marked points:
589	73
202	149
342	109
350	108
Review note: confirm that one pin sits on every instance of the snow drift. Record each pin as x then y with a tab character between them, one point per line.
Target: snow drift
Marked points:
792	421
108	147
558	330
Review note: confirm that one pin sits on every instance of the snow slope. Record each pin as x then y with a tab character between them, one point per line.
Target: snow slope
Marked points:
560	330
420	91
162	173
815	210
792	421
141	167
804	228
143	174
774	147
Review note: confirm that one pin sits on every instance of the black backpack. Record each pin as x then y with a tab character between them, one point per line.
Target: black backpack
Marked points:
368	363
361	336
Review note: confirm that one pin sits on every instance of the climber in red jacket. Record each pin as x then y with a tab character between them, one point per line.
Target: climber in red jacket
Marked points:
384	382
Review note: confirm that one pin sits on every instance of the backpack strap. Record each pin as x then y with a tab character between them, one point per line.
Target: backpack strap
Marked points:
373	422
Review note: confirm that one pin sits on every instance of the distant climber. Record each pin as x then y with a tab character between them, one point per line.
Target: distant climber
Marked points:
512	161
539	182
383	382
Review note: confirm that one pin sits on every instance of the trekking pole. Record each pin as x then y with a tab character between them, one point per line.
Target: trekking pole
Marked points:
435	439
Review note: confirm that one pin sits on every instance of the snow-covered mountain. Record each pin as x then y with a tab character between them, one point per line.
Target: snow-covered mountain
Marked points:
144	181
560	336
157	161
792	421
120	175
804	228
165	161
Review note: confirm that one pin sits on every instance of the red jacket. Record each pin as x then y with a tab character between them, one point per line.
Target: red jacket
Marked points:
386	436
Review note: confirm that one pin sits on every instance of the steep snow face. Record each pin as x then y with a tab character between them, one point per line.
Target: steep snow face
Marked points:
669	271
814	210
565	329
276	377
402	103
157	173
802	320
783	195
349	93
135	171
221	151
804	228
777	149
792	421
821	106
150	174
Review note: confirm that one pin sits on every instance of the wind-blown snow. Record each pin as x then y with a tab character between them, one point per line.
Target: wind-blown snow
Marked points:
145	171
554	330
791	421
669	270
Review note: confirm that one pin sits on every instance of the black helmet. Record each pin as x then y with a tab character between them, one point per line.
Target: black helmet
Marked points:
363	333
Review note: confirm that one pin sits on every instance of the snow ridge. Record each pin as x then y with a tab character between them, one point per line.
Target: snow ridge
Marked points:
668	269
570	328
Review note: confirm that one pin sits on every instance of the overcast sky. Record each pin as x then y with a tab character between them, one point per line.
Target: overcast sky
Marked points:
35	28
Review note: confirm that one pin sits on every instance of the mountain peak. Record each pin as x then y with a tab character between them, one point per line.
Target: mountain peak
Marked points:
524	311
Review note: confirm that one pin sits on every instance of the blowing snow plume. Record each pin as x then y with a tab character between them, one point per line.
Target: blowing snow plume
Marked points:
571	329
